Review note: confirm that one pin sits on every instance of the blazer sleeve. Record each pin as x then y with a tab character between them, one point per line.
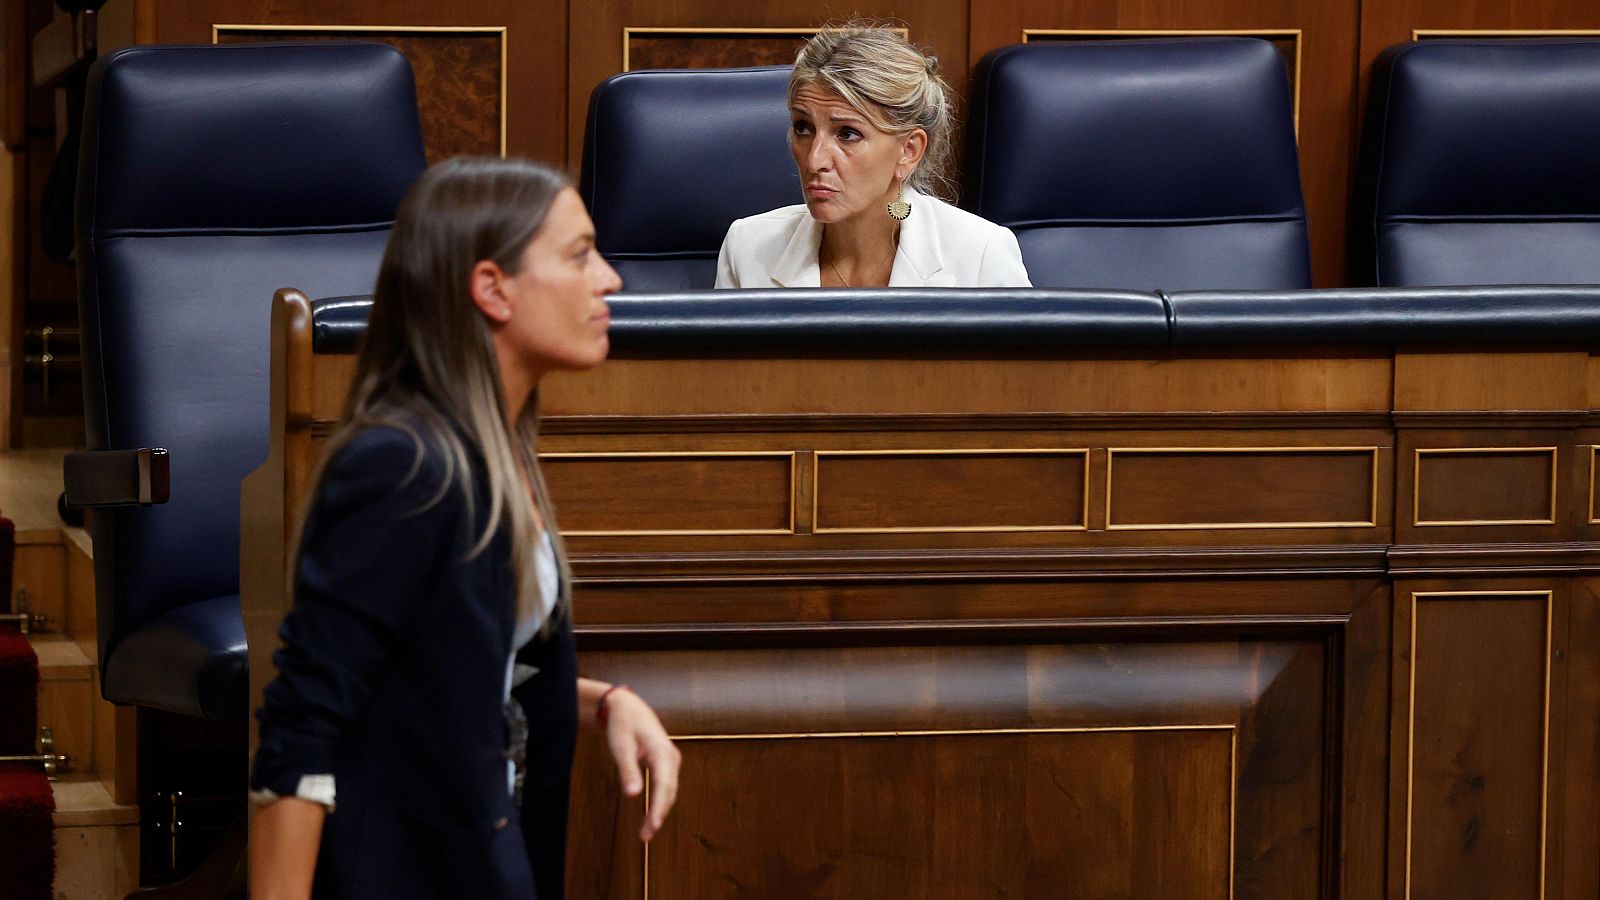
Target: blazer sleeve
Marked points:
1001	265
726	277
381	526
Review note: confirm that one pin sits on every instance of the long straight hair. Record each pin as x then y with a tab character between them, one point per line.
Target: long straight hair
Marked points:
428	357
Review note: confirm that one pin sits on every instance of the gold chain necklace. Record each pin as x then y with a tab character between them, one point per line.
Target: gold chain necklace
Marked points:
893	245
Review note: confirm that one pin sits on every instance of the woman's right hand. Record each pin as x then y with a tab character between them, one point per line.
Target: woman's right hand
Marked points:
637	739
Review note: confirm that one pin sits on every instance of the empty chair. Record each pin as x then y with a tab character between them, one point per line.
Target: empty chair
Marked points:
1478	165
210	177
1142	164
671	157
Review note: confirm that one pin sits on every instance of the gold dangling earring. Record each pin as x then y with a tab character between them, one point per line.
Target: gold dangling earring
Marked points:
899	209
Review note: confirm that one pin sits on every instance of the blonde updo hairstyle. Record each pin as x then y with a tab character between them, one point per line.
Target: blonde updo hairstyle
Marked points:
891	83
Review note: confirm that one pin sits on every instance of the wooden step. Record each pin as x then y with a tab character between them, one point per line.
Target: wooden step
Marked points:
97	842
67	698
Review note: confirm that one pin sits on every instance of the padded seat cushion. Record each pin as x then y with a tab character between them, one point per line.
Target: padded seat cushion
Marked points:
190	660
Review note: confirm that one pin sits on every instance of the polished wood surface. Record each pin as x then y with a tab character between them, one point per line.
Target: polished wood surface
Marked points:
945	675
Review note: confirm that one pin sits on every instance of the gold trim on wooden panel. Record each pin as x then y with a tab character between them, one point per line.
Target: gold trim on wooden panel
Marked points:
816	474
218	29
1416	486
1294	34
1418	34
1372	517
1593	453
691	454
1233	762
802	32
1411	719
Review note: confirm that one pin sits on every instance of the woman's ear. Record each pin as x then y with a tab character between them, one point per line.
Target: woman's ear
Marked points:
911	152
487	285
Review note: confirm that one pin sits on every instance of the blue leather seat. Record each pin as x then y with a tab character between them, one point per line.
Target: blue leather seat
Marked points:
671	157
1142	164
1478	165
210	177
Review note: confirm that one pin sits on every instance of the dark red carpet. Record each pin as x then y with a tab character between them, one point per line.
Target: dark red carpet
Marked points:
27	837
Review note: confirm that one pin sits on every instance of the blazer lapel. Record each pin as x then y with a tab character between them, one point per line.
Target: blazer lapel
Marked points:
920	259
797	267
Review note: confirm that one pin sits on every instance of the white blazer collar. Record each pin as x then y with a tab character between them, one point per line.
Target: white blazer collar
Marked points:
919	259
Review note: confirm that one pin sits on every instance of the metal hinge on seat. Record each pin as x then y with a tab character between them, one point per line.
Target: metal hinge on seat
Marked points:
54	763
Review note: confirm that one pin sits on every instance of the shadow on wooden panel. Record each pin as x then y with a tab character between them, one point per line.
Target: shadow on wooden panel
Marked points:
672	493
933	490
460	73
712	48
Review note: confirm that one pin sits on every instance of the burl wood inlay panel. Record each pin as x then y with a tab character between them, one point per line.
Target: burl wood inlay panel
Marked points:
951	491
709	49
690	493
459	80
1090	815
1241	488
1479	727
1487	486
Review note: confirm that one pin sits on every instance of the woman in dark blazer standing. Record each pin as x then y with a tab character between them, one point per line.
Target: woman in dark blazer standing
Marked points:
418	739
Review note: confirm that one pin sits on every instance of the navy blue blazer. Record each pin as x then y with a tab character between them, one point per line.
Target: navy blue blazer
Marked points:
391	678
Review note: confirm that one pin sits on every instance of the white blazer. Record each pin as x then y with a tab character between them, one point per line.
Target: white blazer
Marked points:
940	246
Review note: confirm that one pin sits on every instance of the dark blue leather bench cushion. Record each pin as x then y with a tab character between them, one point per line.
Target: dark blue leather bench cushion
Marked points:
1484	316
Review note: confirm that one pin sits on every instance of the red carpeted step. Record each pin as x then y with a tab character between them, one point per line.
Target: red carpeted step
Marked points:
19	693
27	850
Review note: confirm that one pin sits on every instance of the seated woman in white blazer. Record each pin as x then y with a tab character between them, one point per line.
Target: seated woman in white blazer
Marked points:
870	134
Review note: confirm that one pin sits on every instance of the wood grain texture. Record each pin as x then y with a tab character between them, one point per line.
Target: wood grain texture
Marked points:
693	493
1327	115
710	50
888	491
1457	485
1152	489
1480	668
458	76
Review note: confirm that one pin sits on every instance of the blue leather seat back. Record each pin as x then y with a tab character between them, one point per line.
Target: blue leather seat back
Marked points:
210	177
1143	164
1481	156
671	157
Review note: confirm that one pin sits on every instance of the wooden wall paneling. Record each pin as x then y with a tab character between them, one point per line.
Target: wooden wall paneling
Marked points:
1154	488
1140	768
706	33
898	491
1577	827
1471	485
708	492
457	70
1328	32
1480	680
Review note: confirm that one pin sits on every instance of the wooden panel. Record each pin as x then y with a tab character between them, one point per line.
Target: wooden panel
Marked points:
535	61
710	48
596	39
1059	765
951	491
1478	741
1273	487
460	76
1092	815
685	493
1327	75
1244	381
1482	381
1484	486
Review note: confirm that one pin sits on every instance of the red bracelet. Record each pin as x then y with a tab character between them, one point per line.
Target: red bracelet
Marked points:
602	714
